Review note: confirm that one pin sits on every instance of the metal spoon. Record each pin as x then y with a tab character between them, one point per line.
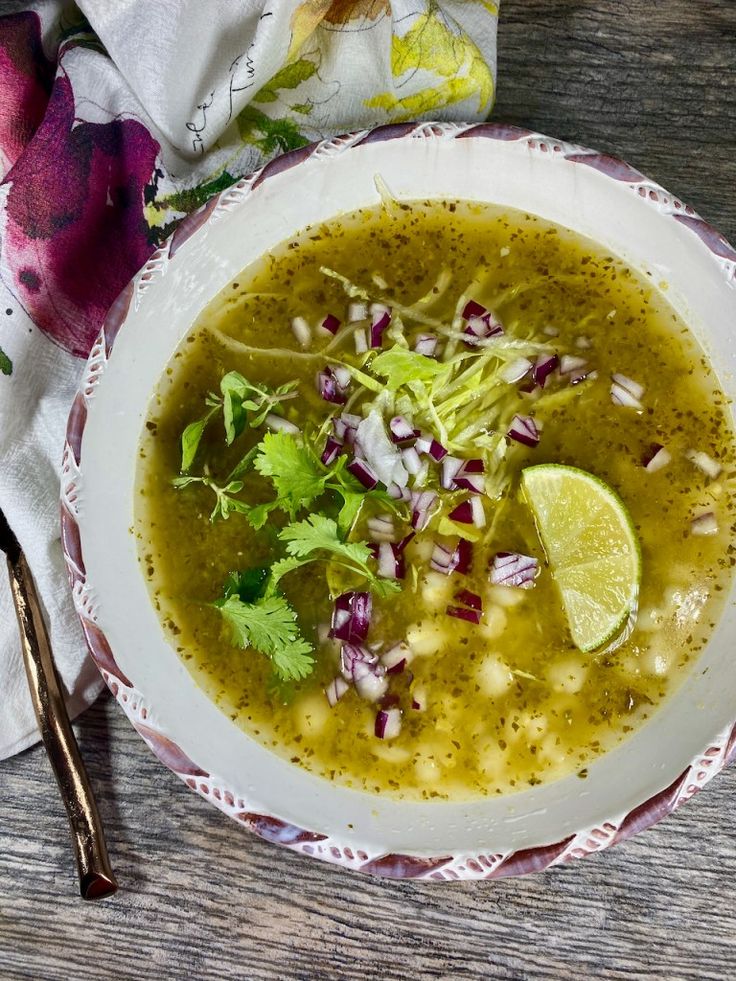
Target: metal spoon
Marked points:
96	878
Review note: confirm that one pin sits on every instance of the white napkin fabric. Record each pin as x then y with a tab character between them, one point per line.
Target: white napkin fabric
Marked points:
118	119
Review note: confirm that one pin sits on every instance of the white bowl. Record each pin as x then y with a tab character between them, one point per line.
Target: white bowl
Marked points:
666	761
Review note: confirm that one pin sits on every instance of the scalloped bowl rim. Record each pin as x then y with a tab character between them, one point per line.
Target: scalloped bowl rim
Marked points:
687	740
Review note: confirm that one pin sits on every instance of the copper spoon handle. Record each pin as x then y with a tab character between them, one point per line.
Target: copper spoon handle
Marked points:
96	878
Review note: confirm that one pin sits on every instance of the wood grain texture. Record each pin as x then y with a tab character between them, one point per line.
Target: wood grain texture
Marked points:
203	899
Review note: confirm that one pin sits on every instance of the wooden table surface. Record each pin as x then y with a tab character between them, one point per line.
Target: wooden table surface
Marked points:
202	898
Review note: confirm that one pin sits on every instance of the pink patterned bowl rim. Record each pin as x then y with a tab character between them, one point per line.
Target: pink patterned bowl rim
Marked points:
686	742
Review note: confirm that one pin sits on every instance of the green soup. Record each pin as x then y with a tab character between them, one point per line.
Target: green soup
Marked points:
389	654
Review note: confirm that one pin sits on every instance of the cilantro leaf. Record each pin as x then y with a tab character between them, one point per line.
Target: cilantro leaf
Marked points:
308	540
297	474
352	502
192	437
318	533
283	567
269	626
258	514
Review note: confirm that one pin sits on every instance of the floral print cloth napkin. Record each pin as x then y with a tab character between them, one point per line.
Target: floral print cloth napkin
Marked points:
119	117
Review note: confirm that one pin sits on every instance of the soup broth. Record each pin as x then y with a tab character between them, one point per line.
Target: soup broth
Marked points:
461	682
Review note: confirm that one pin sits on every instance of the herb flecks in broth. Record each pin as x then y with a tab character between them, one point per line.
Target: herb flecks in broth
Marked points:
382	402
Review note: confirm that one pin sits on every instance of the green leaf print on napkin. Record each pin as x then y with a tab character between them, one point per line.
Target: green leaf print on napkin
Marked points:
6	365
431	46
276	135
290	77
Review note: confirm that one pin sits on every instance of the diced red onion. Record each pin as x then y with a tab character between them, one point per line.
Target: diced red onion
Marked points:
350	655
469	512
515	370
360	340
370	680
422	506
474	483
481	328
336	689
473	309
302	331
631	386
280	425
342	376
463	513
351	616
426	344
405	541
357	311
331	451
331	324
437	451
398	493
363	472
391	563
426	443
390	700
467	598
704	524
524	430
583	343
380	319
345	426
570	363
401	430
513	569
470	477
418	703
710	467
656	457
461	613
626	392
450	469
333	386
446	560
388	723
382	528
543	368
411	460
396	657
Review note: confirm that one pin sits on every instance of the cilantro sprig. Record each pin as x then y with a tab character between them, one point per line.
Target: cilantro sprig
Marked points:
269	625
259	615
300	479
242	404
317	538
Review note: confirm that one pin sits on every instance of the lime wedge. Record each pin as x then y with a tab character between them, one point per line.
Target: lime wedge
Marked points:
592	548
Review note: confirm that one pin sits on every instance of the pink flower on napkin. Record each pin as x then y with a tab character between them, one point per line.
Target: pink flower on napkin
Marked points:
25	82
76	231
